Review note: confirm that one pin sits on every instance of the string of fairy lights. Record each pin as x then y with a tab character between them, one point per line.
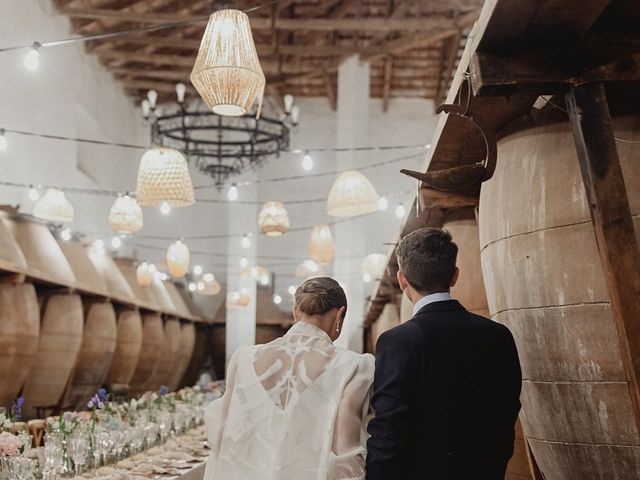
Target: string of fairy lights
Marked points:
164	180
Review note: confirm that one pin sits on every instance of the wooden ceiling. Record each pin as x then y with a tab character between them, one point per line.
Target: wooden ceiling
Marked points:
413	46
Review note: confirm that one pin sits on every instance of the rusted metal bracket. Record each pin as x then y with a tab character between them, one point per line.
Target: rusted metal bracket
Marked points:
458	178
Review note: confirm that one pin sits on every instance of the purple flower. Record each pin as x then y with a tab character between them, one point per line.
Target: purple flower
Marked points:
97	401
16	408
102	394
164	390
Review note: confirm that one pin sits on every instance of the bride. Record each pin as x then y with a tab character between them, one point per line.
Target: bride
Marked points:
295	408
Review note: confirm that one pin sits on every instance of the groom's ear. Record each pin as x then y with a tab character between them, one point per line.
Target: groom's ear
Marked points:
455	277
402	280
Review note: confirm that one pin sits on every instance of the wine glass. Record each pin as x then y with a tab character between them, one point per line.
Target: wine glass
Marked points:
78	446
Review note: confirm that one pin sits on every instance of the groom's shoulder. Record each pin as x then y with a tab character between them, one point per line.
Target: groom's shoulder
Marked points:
407	333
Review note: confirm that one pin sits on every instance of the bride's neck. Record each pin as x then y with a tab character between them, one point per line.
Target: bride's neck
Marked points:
321	322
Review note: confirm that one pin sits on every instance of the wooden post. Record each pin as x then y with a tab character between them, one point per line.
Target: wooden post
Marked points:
612	223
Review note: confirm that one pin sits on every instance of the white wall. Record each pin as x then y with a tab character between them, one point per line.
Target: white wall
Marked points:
72	94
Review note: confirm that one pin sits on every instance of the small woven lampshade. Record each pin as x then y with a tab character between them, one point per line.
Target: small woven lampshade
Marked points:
164	176
374	264
144	274
53	206
273	219
178	258
227	72
210	285
238	299
352	194
322	248
126	215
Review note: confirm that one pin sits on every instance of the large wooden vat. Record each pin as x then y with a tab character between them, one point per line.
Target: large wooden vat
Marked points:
150	353
58	347
19	333
11	257
96	353
545	282
199	357
168	360
88	279
389	318
469	290
187	343
128	348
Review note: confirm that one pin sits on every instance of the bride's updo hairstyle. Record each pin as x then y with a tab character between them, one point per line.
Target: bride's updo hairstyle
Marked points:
317	296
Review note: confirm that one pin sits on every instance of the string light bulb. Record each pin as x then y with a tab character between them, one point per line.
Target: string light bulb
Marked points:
3	140
246	241
277	299
383	204
152	96
307	162
244	263
165	208
65	234
116	243
288	103
34	194
232	194
146	108
31	60
98	246
295	115
292	290
401	211
197	270
192	287
181	89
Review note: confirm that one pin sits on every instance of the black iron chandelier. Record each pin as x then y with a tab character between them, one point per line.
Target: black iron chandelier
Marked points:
219	146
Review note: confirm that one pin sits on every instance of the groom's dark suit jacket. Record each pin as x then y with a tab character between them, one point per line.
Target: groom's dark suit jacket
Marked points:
446	398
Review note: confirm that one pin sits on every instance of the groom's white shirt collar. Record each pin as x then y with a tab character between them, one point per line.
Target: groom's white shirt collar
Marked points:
426	300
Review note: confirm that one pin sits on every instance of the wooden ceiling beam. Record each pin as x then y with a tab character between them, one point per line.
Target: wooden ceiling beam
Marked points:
146	85
409	42
265	23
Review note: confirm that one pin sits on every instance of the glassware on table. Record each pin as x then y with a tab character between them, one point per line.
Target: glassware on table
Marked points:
78	446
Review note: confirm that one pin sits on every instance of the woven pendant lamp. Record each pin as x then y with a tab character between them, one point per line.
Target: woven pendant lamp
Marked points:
144	274
273	219
178	258
54	207
374	265
322	248
163	176
125	216
352	194
227	72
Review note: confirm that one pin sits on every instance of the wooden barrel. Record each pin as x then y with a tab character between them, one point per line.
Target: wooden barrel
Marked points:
11	257
150	353
389	318
96	353
187	344
58	347
169	358
200	353
218	341
19	333
469	290
545	282
128	347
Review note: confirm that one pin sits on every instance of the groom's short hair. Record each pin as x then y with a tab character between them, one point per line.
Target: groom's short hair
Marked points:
427	257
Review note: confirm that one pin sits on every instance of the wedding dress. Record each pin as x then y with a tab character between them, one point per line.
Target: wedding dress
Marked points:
294	409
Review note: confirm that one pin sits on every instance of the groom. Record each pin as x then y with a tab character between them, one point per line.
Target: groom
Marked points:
447	382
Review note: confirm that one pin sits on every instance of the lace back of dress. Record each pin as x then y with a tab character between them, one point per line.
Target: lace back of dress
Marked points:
288	366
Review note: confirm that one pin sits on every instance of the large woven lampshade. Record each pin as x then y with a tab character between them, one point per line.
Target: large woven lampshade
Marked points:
273	219
54	207
227	72
178	258
164	176
144	274
352	194
322	248
126	215
374	265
